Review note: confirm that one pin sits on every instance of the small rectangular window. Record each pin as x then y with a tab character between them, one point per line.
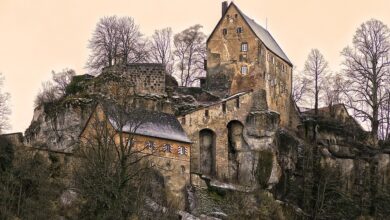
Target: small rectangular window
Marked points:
206	113
150	145
183	120
244	47
167	148
224	107
224	31
239	30
238	102
181	150
244	70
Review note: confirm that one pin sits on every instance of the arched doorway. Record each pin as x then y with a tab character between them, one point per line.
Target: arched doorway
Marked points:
207	152
235	144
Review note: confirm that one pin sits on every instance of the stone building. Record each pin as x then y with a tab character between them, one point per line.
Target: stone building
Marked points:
156	136
242	55
252	75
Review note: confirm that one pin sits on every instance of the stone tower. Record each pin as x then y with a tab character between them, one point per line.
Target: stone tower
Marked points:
243	56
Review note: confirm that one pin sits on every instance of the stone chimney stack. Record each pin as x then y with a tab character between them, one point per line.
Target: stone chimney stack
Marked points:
224	7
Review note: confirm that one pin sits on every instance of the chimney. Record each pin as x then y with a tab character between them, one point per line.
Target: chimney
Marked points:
224	7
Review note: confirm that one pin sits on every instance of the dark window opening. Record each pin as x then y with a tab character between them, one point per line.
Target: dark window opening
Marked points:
183	120
238	102
239	30
224	107
224	31
206	113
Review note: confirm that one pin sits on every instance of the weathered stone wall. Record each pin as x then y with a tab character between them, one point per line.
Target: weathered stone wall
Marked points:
146	78
16	139
225	58
213	118
242	129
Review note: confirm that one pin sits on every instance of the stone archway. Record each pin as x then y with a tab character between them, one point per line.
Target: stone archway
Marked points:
207	152
235	144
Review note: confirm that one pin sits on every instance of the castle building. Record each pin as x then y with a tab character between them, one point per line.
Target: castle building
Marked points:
252	75
225	127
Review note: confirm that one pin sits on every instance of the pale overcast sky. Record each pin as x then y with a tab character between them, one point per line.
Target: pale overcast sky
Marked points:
37	36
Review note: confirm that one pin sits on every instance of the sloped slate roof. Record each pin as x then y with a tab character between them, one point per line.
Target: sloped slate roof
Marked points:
148	123
266	37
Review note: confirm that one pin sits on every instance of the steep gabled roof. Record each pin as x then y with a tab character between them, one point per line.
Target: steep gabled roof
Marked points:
261	33
266	37
147	123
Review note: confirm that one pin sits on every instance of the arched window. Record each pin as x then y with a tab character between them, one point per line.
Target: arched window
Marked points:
235	144
207	152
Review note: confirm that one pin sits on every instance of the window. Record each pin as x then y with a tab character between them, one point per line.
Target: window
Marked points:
183	120
224	31
206	113
167	148
150	145
182	150
244	47
244	70
238	102
239	30
224	107
131	142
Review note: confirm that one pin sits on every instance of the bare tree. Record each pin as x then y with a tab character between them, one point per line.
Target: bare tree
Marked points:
110	172
190	53
116	41
366	65
132	48
334	86
62	79
384	126
55	88
5	111
300	87
161	48
104	44
315	68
